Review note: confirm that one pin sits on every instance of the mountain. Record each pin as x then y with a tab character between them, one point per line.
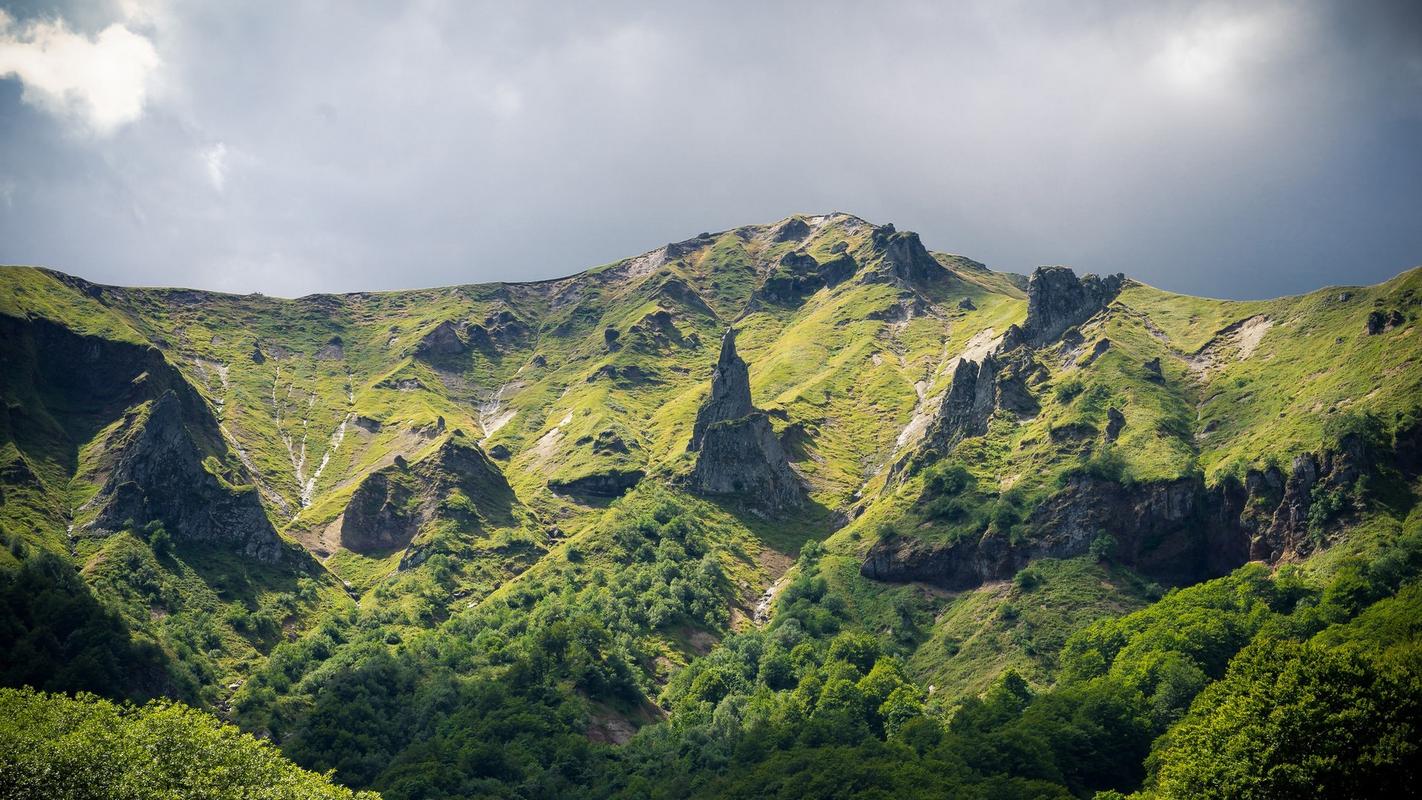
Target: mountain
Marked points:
710	491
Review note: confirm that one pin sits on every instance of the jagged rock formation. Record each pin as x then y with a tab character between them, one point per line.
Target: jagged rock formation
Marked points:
160	457
906	261
738	452
1057	300
730	391
457	482
1178	531
159	475
979	389
1380	322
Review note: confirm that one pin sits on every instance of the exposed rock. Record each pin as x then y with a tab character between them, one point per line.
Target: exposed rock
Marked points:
500	452
1097	350
610	337
966	304
163	458
443	341
258	357
1115	421
392	505
742	457
1380	322
905	260
499	332
1072	432
792	230
625	376
333	350
738	453
160	475
1179	531
979	389
608	483
730	391
1058	300
799	275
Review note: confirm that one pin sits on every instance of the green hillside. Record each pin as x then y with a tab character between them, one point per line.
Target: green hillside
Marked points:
915	528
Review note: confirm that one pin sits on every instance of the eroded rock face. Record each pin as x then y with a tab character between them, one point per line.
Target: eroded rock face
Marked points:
159	475
1178	531
980	388
742	457
609	483
738	452
799	275
906	260
443	341
165	459
730	391
392	505
1057	300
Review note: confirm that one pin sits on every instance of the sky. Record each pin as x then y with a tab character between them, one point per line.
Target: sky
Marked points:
1225	149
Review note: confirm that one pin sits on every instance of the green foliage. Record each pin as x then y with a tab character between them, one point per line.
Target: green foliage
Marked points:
75	748
55	635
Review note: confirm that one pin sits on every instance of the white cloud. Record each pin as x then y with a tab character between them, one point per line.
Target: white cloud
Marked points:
215	159
101	83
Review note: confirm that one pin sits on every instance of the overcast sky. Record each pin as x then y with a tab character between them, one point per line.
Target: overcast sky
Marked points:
1236	150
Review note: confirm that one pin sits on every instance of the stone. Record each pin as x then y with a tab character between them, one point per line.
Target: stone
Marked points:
966	304
607	483
1115	421
442	341
738	454
730	391
392	505
1057	300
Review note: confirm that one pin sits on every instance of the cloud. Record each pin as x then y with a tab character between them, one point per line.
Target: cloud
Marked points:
214	158
1208	146
100	82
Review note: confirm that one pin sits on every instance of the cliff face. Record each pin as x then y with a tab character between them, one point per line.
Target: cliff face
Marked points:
160	456
1058	300
738	452
1178	531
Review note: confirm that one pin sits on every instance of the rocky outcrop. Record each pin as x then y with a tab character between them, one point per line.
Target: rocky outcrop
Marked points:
738	454
906	261
443	341
163	458
457	482
160	475
1381	322
607	483
791	230
1115	423
979	389
799	275
500	331
730	391
1177	531
1057	300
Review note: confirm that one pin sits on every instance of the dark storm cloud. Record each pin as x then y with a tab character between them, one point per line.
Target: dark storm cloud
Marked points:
1227	149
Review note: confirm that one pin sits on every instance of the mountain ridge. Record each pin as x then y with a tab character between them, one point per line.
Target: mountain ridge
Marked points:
905	435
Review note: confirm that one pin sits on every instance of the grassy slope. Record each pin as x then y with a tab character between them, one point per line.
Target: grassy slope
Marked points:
846	382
